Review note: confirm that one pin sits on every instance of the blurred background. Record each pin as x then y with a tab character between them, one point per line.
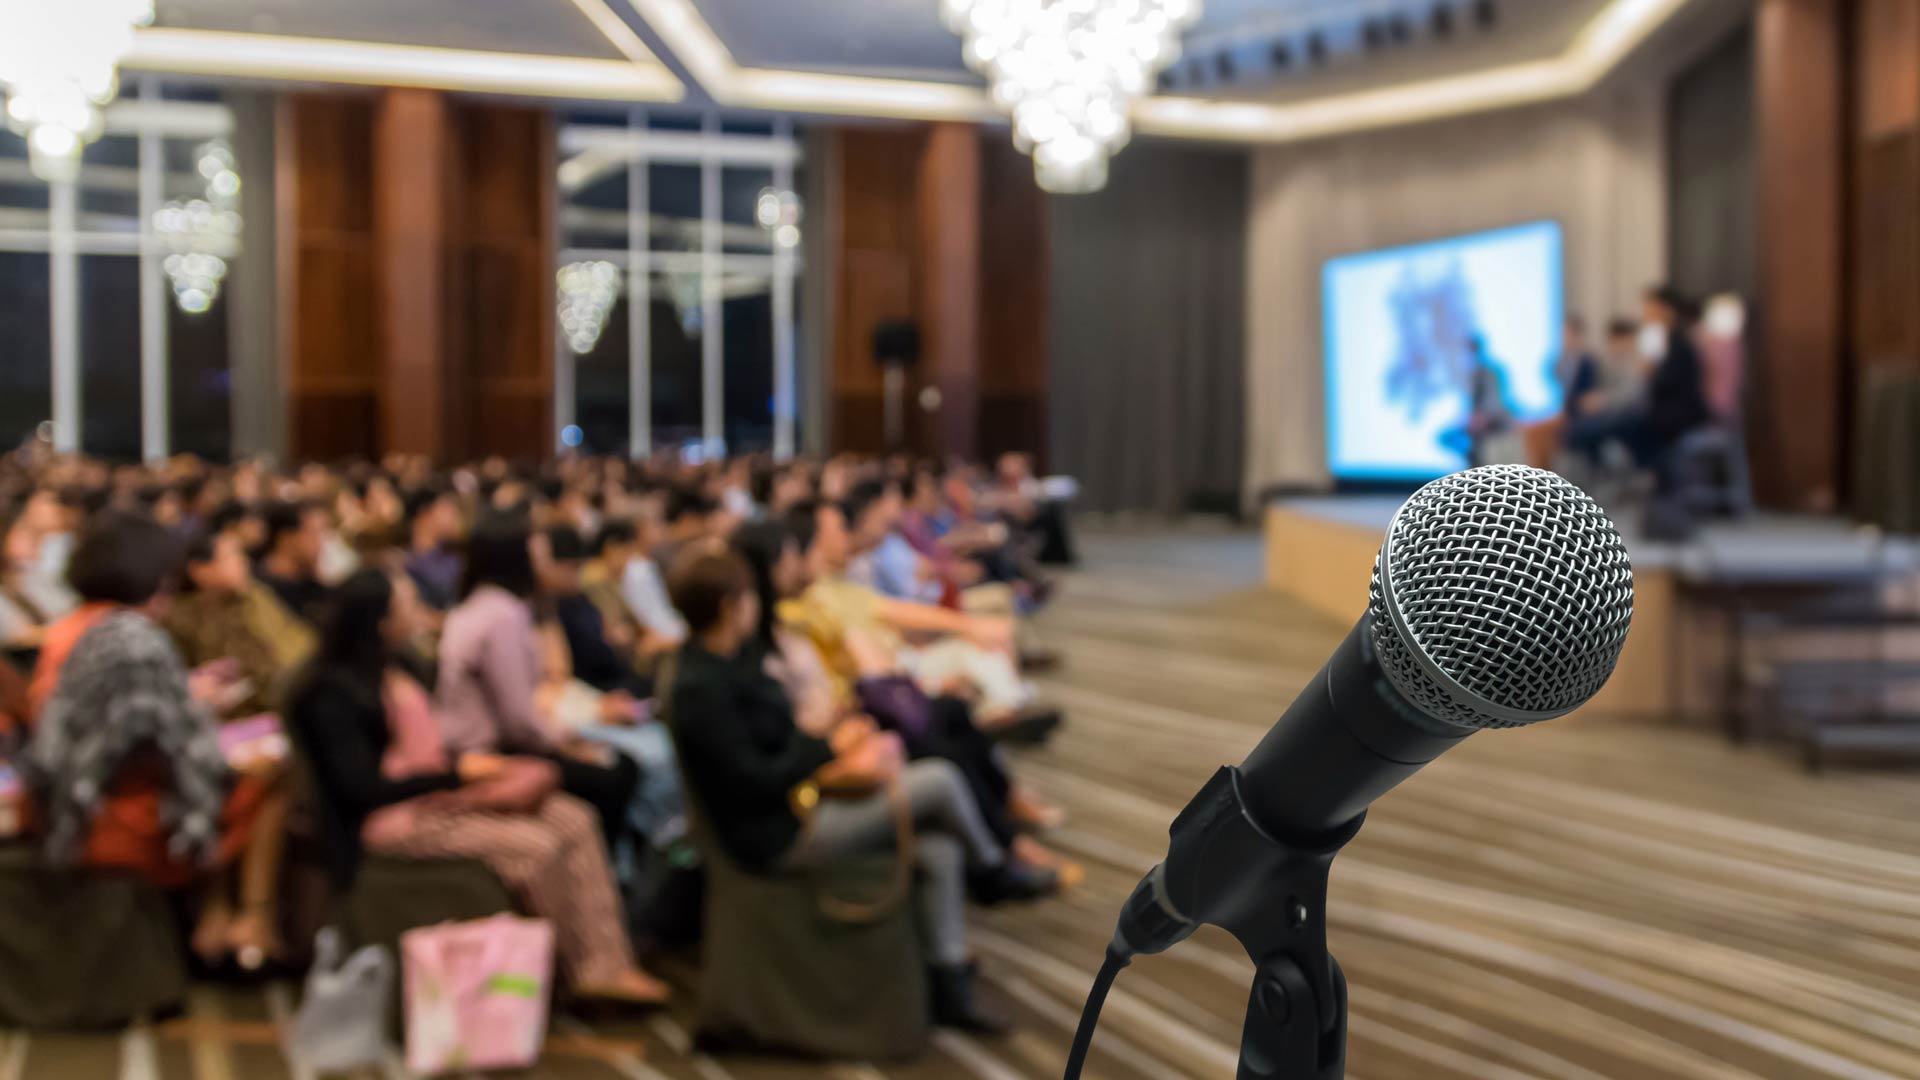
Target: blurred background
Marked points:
1220	282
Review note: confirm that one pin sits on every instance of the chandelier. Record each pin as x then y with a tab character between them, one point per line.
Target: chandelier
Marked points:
588	291
195	233
57	61
1069	72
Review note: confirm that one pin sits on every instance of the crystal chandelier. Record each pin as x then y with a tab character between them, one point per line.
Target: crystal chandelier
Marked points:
57	61
778	212
196	232
588	291
1069	72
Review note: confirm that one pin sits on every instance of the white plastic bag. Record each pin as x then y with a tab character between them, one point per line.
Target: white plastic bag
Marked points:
342	1022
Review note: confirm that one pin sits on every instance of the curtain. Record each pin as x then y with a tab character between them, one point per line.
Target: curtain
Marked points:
1148	317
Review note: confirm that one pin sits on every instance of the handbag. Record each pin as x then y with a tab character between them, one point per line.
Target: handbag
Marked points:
342	1022
520	788
477	993
897	704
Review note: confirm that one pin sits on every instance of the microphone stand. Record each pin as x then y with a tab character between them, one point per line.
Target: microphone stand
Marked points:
1225	870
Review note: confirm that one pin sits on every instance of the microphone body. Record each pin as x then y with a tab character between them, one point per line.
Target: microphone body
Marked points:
1348	739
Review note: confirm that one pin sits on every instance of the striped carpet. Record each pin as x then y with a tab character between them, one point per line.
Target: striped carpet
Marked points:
1582	900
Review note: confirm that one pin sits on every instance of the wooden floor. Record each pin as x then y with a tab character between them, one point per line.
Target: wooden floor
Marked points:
1582	900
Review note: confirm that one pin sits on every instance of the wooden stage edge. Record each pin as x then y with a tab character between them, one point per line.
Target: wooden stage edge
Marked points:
1326	564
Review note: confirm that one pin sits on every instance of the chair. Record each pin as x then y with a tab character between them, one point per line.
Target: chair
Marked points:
391	896
1710	472
779	974
83	950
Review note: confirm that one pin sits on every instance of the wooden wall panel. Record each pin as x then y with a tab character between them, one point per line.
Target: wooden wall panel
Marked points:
1886	262
1014	271
1799	378
329	351
1886	49
875	245
1886	185
416	275
500	277
949	279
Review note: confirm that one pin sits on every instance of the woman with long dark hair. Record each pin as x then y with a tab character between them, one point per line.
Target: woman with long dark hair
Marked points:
491	666
389	786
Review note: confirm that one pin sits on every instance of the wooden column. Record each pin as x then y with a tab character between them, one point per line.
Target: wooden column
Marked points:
949	277
1799	374
412	173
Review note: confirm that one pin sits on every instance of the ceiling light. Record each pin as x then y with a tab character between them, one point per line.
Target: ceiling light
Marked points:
1069	71
588	291
58	61
196	232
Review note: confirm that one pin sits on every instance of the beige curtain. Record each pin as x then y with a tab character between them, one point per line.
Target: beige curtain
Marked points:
1595	165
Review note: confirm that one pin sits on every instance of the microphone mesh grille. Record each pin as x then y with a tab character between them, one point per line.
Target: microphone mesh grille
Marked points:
1513	583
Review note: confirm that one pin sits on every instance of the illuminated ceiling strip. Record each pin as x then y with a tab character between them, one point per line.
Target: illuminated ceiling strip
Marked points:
300	59
1604	42
616	31
693	41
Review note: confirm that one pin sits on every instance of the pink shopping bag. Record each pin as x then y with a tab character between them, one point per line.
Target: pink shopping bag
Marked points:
476	993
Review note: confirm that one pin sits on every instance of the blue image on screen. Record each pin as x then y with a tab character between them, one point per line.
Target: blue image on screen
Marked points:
1400	368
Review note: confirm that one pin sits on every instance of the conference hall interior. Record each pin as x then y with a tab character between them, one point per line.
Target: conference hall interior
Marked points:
819	539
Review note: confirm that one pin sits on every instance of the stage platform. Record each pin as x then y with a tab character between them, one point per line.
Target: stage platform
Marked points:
1320	551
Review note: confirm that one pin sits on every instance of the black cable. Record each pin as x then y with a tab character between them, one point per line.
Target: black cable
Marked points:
1117	960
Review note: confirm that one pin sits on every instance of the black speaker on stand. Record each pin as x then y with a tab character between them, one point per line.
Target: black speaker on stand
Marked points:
896	347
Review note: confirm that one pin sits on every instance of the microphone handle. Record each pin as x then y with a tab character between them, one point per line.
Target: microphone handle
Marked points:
1348	739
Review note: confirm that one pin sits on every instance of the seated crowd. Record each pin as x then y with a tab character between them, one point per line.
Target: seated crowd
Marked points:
1629	404
523	666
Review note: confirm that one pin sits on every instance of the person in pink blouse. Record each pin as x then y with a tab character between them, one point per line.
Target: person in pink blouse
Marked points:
490	666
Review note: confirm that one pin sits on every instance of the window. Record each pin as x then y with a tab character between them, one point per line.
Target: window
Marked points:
679	261
113	336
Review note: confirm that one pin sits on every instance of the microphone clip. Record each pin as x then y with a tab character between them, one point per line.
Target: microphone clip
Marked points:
1223	869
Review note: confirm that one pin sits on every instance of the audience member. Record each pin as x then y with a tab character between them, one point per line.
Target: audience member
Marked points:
644	586
389	784
125	756
223	615
433	526
490	669
23	625
47	522
782	799
296	542
594	658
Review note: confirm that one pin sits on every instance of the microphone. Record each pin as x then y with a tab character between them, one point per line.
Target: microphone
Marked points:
1501	597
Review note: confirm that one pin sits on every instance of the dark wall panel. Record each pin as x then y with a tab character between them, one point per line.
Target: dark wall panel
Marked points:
1147	330
1711	220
